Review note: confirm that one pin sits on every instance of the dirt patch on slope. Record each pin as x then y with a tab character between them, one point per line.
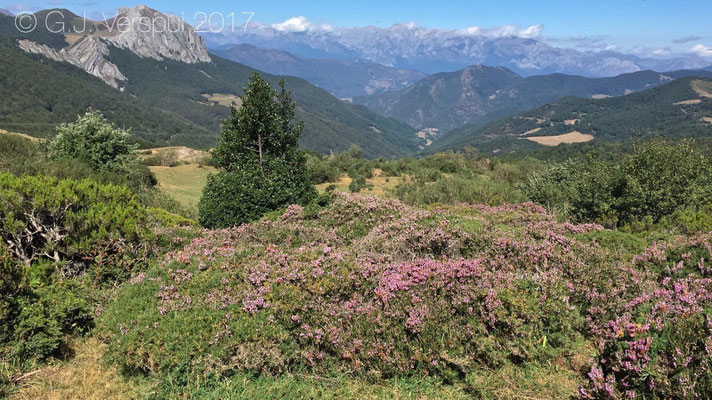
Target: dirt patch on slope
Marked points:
571	137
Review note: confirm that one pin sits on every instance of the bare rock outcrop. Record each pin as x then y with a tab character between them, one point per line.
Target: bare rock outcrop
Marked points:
141	30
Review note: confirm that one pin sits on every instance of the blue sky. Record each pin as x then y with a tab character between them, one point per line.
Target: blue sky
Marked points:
587	24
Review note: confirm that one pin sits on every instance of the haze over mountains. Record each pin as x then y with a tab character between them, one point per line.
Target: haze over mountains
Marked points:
342	78
439	50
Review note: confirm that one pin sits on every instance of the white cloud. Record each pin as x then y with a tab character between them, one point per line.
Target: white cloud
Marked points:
294	24
503	31
702	51
300	24
532	32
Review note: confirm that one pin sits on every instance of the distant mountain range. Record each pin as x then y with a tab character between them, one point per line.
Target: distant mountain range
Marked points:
681	108
166	87
343	79
437	50
5	12
480	94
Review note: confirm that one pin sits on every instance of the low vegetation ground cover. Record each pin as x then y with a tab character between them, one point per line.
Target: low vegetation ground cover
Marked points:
471	278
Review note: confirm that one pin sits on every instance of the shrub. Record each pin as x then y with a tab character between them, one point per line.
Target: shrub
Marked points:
658	179
461	188
75	223
237	197
321	170
95	141
358	183
48	316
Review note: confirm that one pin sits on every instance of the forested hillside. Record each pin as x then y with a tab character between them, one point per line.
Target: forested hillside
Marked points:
682	108
480	94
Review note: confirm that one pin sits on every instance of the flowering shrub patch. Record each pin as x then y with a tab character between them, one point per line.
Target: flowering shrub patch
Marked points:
373	288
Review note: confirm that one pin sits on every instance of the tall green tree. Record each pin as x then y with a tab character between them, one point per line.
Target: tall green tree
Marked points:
260	167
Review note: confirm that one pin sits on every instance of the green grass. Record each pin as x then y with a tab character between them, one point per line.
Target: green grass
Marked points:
184	182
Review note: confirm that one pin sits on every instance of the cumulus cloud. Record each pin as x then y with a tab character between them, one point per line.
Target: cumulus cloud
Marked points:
300	24
686	39
702	50
294	24
503	31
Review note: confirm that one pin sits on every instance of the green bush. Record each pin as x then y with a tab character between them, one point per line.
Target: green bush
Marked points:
165	158
48	316
321	169
73	223
657	180
95	141
358	183
461	188
237	197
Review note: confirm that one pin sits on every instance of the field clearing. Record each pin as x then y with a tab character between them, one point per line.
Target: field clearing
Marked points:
687	102
227	100
531	131
703	88
571	137
184	182
32	138
707	119
382	185
182	154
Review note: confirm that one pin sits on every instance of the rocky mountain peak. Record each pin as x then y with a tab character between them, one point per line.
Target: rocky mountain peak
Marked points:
141	30
150	33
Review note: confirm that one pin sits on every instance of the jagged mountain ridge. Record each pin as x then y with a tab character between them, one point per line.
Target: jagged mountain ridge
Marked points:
342	78
438	50
480	94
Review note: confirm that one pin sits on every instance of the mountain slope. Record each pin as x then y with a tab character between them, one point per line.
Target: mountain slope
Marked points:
682	108
188	90
480	94
343	79
331	125
37	94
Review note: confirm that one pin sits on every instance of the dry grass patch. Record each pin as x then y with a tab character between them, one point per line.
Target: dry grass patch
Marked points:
703	88
707	119
531	131
687	102
184	182
182	154
227	100
84	377
382	185
32	138
571	137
